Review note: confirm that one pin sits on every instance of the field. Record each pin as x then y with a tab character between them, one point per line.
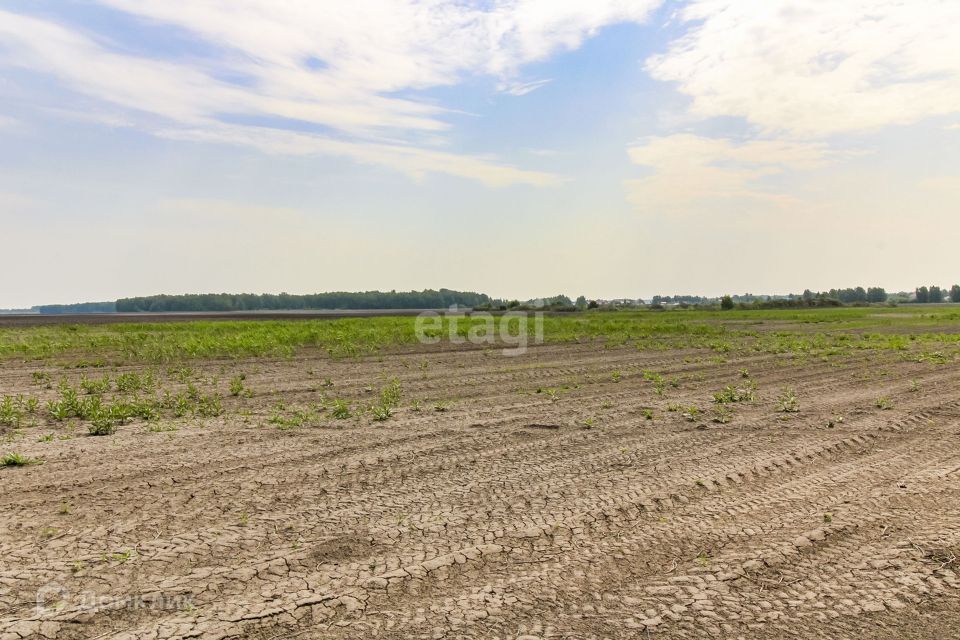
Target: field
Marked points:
682	474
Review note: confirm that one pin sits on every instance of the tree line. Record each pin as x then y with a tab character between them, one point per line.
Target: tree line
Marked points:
80	307
849	295
443	298
937	294
678	299
337	300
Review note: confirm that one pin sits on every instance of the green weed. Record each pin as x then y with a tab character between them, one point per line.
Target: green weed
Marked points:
236	385
295	418
122	556
659	383
158	427
14	459
722	414
10	412
787	402
133	382
735	394
340	409
210	406
916	336
390	395
883	403
181	373
95	386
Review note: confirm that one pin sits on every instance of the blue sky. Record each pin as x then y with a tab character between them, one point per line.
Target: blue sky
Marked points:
520	148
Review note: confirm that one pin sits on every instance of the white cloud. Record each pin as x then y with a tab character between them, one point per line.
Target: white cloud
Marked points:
521	88
817	67
692	172
801	72
390	45
342	66
414	161
190	94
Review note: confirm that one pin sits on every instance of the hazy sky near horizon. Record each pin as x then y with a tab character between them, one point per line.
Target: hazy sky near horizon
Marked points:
517	147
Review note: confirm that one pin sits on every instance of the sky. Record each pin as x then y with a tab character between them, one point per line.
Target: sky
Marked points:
521	148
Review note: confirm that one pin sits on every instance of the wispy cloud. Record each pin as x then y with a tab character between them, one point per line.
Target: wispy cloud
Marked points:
522	88
350	69
815	68
191	94
414	161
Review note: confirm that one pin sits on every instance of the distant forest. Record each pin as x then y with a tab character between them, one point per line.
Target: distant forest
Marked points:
426	299
850	296
444	298
80	307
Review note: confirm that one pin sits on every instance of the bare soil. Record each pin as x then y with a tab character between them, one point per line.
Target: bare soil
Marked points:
513	513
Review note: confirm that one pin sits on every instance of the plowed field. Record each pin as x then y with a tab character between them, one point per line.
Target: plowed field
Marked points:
581	490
